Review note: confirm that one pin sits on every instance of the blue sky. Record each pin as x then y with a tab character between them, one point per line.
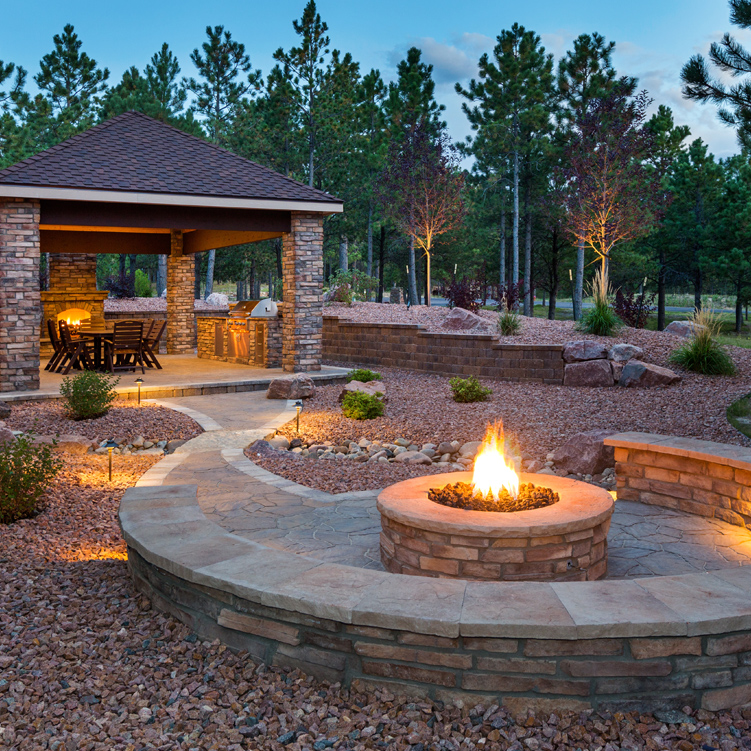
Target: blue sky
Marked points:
654	37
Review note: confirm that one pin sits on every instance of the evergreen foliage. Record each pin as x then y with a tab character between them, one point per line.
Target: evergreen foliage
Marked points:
357	405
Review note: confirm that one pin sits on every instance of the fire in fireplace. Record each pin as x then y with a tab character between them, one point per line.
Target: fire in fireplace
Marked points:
74	316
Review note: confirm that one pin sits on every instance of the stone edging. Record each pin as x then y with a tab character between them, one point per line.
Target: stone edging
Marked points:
643	644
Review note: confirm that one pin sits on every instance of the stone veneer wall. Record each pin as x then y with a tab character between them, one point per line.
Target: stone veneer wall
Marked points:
181	332
622	673
302	266
20	303
698	477
410	346
73	272
265	340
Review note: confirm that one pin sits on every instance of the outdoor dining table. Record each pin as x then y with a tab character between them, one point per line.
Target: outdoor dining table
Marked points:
98	337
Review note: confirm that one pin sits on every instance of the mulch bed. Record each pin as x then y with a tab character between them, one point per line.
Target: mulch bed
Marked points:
124	420
87	665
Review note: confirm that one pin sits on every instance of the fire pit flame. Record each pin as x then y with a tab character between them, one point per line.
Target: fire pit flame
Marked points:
493	473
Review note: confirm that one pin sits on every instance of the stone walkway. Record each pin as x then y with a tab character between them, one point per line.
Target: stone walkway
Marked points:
252	503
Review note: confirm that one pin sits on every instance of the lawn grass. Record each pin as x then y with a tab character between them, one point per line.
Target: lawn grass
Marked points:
738	413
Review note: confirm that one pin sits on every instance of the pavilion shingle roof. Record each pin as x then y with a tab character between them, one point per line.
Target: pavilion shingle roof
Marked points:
135	153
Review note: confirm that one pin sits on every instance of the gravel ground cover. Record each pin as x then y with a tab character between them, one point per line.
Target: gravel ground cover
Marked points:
540	418
87	665
146	304
125	419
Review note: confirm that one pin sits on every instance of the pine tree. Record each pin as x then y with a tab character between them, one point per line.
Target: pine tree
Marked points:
219	92
731	59
70	83
513	100
410	105
307	65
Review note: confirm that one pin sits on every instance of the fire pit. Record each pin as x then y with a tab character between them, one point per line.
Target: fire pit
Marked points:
565	540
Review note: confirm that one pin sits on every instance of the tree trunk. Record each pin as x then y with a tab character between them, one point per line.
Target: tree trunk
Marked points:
578	282
278	246
271	286
369	268
161	275
698	284
412	274
252	284
197	278
502	249
381	262
240	289
343	254
661	290
554	282
738	309
132	272
210	272
515	242
528	311
427	278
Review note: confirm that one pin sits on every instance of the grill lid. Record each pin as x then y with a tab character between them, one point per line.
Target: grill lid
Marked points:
243	308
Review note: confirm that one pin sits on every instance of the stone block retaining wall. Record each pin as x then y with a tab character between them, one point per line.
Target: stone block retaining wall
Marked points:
698	477
410	346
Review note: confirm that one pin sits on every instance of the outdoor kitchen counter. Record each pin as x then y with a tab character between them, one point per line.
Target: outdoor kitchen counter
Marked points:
252	341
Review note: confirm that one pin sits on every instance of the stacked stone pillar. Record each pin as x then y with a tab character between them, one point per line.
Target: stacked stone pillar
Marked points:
20	304
180	303
302	264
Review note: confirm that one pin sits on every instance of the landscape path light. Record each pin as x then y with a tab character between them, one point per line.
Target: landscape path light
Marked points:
110	445
139	381
298	407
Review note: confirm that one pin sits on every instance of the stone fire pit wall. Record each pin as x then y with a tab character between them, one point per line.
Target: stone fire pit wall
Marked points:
563	542
394	345
698	477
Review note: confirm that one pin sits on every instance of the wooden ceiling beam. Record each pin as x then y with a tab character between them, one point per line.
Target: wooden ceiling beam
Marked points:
60	241
202	239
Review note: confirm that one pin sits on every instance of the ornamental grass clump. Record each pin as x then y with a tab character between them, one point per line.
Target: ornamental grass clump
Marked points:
703	353
89	394
363	375
509	321
358	405
467	390
600	319
26	470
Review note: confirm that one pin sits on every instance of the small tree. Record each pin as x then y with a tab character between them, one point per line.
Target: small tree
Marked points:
421	189
610	193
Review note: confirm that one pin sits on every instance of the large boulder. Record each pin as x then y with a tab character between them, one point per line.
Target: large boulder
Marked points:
68	443
686	329
463	320
297	386
371	388
412	457
625	352
4	410
218	300
6	436
644	375
585	453
261	448
588	373
583	350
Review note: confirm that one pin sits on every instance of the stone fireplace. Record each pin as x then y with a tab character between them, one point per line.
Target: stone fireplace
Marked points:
72	294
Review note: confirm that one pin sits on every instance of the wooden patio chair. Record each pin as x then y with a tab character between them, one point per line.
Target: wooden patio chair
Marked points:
126	344
151	343
58	356
76	351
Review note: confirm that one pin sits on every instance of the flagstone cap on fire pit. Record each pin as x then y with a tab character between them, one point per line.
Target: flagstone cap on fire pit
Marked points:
581	506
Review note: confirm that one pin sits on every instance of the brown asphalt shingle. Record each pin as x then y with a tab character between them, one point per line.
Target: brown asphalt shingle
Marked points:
135	153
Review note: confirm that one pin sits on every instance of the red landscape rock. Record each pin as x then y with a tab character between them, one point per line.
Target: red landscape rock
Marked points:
297	386
646	376
371	388
585	453
589	373
585	349
463	320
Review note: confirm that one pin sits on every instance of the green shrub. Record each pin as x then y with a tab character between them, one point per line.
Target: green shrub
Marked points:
509	322
363	375
358	405
143	285
600	319
703	353
89	394
26	471
469	390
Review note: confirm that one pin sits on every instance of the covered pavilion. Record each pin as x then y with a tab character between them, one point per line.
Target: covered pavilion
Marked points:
137	185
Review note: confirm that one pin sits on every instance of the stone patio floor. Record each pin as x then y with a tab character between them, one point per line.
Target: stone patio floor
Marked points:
254	504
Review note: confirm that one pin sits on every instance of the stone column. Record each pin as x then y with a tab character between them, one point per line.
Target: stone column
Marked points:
20	303
180	316
302	263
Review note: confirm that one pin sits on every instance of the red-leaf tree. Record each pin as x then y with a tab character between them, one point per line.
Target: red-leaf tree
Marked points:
421	189
611	194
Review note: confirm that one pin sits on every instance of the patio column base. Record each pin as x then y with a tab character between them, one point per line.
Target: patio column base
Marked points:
180	303
20	303
303	288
